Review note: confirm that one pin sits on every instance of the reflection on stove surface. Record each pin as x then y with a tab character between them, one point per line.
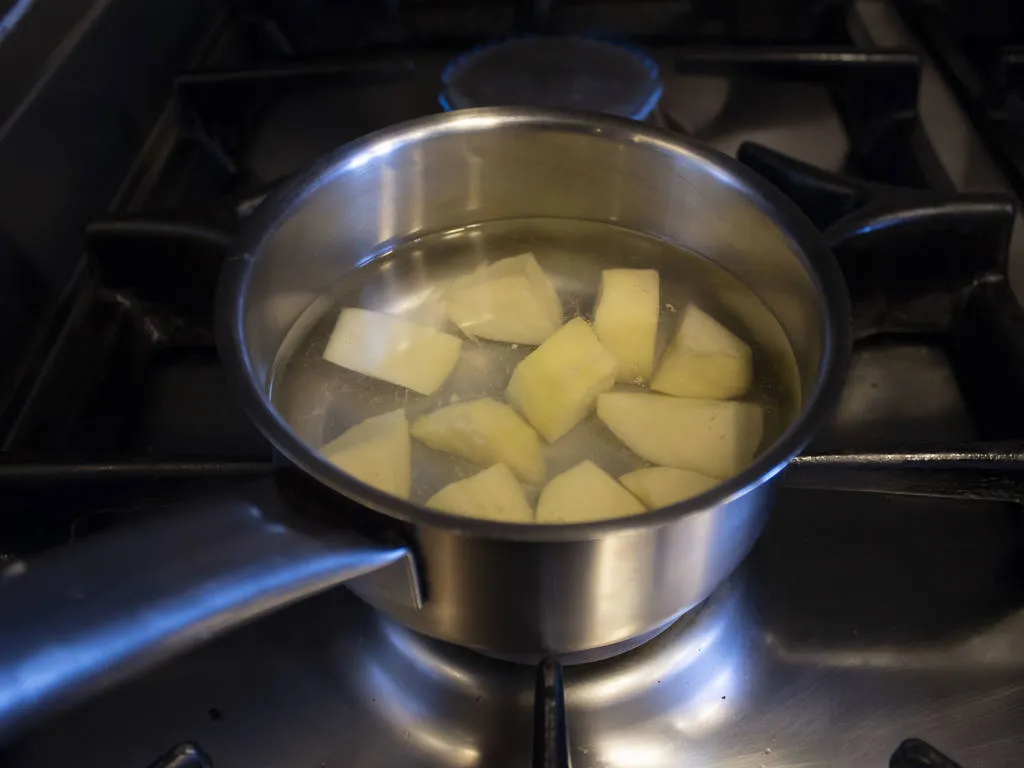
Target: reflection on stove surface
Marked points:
686	682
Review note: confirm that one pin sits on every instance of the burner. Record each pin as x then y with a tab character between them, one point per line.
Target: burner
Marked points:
567	72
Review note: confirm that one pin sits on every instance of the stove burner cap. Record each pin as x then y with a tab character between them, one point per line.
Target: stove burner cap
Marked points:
564	72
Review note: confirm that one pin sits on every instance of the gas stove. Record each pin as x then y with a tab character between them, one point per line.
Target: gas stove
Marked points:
879	619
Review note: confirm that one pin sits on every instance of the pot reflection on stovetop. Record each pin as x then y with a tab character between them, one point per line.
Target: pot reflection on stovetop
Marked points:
450	703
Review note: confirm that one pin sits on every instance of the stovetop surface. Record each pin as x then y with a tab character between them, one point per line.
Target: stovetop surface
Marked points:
852	627
860	620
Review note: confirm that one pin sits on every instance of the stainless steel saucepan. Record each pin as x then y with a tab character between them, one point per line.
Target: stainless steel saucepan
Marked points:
78	619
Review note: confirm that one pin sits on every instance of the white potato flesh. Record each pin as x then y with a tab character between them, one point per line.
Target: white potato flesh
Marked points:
659	487
376	451
555	386
392	349
705	359
626	319
584	493
493	494
714	437
512	300
486	432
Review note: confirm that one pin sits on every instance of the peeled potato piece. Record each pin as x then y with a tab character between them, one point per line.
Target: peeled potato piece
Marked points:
659	487
511	300
713	437
487	432
555	385
392	349
584	493
704	359
626	319
376	451
493	494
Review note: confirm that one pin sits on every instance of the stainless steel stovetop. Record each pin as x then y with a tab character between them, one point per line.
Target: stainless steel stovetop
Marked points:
859	621
853	626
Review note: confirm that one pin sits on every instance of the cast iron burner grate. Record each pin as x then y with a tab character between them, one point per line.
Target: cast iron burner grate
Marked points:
928	266
979	45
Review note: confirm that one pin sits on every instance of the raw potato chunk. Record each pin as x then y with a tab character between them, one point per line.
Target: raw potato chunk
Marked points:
376	451
493	494
585	492
704	360
713	437
659	487
390	348
626	319
487	432
555	385
511	300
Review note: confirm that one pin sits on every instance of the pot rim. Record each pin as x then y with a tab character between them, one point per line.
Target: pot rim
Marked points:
808	242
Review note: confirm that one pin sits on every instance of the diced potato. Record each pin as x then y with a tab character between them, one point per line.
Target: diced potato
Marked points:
511	300
390	348
704	359
376	451
713	437
585	492
626	319
555	385
487	432
493	494
659	487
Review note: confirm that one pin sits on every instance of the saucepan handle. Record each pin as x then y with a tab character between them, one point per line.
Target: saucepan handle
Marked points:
81	618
